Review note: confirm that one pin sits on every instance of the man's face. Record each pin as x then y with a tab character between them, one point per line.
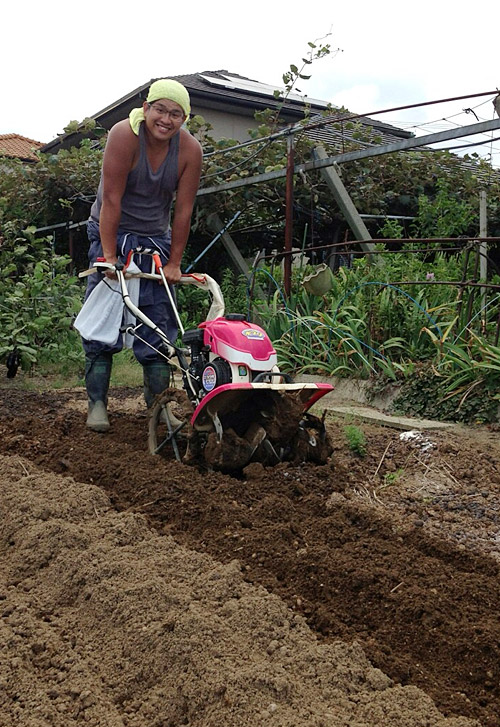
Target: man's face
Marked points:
163	118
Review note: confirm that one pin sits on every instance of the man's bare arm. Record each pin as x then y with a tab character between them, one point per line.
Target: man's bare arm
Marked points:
184	201
118	160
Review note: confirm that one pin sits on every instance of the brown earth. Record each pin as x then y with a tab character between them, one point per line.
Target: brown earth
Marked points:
135	591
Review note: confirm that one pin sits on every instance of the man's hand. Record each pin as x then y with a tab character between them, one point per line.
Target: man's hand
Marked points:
109	273
172	272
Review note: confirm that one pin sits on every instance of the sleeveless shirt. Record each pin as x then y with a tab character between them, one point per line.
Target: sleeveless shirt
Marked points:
147	200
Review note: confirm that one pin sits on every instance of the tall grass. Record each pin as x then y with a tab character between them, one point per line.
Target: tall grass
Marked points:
367	325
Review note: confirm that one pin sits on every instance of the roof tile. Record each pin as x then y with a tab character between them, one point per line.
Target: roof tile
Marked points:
16	146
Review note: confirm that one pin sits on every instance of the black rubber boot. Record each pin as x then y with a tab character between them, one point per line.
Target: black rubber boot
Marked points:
156	379
97	375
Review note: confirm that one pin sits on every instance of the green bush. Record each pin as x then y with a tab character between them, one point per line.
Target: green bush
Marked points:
38	302
425	395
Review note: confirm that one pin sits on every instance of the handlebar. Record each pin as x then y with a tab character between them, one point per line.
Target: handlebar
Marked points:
200	280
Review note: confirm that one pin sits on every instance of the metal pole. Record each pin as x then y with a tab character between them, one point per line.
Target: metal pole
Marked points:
210	244
483	252
461	290
472	292
497	331
287	263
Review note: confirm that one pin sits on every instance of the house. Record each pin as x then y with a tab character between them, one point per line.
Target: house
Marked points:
15	146
228	102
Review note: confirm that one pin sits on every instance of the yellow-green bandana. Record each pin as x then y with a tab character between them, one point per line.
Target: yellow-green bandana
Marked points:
163	88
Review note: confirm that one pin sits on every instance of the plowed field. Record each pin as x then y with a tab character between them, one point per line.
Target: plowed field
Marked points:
136	591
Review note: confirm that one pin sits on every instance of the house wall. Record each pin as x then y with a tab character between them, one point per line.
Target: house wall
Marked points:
226	125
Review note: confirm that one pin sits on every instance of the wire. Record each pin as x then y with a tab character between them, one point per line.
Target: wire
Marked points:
446	118
445	122
301	128
332	118
240	164
465	146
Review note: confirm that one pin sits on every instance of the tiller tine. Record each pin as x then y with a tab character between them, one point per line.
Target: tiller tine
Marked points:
266	423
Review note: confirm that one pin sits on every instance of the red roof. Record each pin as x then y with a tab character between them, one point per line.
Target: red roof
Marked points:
16	146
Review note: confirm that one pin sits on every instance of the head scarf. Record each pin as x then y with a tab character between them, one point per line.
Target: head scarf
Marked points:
163	88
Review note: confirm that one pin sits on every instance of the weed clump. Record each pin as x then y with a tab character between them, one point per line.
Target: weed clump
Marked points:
356	439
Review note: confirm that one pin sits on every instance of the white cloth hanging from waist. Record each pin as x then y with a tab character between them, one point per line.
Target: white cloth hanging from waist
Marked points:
104	312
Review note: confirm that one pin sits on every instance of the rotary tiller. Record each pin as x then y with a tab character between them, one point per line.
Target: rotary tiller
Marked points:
235	405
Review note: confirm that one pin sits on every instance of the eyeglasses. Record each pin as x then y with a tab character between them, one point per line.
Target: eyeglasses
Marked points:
174	114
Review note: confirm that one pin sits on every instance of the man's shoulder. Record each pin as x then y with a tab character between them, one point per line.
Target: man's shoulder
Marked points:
188	144
122	130
121	147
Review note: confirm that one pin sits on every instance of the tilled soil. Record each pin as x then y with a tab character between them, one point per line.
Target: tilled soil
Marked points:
393	556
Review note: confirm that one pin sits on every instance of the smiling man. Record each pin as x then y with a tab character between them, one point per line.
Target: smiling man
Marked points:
148	158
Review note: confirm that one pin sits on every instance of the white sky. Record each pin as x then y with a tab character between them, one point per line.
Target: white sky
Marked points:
64	60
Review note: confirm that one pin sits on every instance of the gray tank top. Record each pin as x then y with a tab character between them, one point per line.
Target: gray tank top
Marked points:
148	195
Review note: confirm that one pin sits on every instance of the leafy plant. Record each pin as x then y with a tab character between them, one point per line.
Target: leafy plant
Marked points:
427	395
391	478
392	229
57	188
193	305
38	301
356	439
446	215
234	291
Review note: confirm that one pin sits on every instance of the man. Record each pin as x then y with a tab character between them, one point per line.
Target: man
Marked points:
148	157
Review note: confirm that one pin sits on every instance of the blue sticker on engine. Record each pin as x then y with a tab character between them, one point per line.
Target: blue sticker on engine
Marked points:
209	378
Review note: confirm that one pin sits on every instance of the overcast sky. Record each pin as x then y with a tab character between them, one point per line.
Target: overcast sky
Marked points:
67	60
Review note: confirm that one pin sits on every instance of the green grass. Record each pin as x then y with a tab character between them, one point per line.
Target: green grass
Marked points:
69	374
126	370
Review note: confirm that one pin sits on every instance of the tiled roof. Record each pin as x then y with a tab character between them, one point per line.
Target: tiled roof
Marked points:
337	133
16	146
